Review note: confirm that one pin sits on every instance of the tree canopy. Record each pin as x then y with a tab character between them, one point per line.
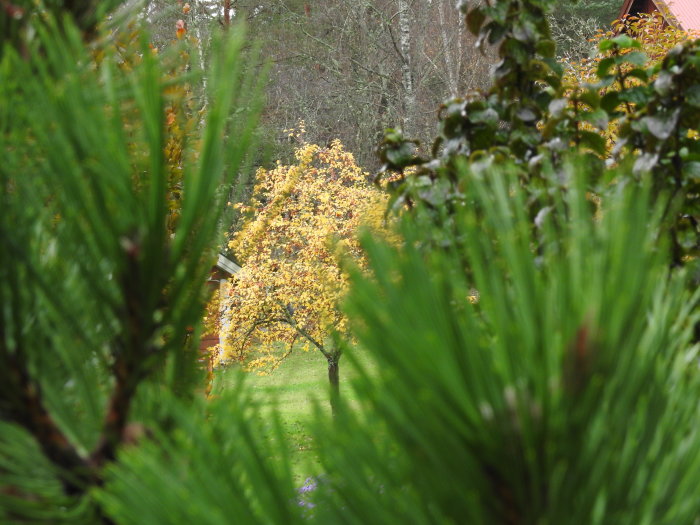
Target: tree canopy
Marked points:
304	218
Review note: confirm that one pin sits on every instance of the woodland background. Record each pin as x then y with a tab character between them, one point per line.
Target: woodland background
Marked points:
351	69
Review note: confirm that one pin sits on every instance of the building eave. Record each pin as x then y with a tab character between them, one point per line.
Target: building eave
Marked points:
660	5
227	265
624	10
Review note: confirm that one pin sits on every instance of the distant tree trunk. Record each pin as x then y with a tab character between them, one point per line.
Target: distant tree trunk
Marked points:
227	13
451	67
334	380
197	20
460	55
409	94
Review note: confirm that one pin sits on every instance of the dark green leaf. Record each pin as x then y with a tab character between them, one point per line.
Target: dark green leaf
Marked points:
626	42
610	101
692	95
691	170
604	66
546	48
590	97
599	118
605	45
637	95
593	140
639	73
638	58
475	19
401	155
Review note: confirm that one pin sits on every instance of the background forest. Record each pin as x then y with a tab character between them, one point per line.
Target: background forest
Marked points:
489	211
351	69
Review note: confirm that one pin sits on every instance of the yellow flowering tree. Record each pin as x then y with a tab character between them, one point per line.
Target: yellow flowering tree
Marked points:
303	217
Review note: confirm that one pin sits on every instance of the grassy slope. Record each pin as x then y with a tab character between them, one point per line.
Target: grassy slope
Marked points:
295	387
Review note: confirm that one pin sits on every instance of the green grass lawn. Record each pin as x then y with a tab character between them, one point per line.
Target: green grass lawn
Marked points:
295	388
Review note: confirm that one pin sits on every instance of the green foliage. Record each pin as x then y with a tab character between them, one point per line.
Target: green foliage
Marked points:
101	300
216	466
664	130
521	374
564	395
17	17
530	115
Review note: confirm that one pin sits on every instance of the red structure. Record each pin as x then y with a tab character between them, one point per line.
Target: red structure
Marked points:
684	14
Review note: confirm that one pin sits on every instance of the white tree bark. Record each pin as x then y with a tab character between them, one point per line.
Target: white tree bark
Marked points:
452	64
198	19
409	94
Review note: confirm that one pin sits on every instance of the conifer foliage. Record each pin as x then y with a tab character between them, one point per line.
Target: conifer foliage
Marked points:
102	295
535	363
560	396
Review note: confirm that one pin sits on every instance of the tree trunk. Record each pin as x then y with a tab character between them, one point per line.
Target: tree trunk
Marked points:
409	95
450	67
334	380
227	13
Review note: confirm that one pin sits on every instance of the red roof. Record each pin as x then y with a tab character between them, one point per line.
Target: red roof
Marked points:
683	13
687	13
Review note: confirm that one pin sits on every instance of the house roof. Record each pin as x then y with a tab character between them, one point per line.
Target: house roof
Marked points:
687	13
682	13
227	265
